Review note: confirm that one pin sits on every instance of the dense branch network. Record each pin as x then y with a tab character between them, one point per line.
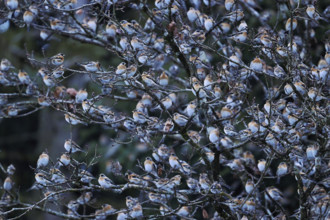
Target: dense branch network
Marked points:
214	85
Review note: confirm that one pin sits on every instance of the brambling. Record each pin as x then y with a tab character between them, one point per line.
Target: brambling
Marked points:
139	117
12	110
81	95
282	170
90	25
173	97
121	68
91	66
106	210
124	43
28	17
136	211
248	157
288	24
111	29
174	161
88	107
184	211
85	176
240	36
244	134
235	16
197	90
57	176
73	120
275	194
57	25
136	43
253	126
249	185
44	34
51	197
23	77
327	57
150	166
229	4
271	140
288	89
148	79
136	179
315	95
312	13
156	197
140	107
256	64
292	119
57	60
146	100
214	136
236	165
180	119
104	181
186	168
210	156
167	103
114	167
164	210
42	179
43	160
65	159
208	82
3	79
163	151
226	142
8	184
300	86
225	27
163	79
122	215
11	4
176	180
279	71
249	206
199	36
73	205
216	187
128	27
5	65
209	23
192	14
49	81
194	136
201	73
4	25
43	72
193	184
204	181
229	130
131	202
226	111
11	169
311	151
71	147
58	72
190	109
266	40
131	70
